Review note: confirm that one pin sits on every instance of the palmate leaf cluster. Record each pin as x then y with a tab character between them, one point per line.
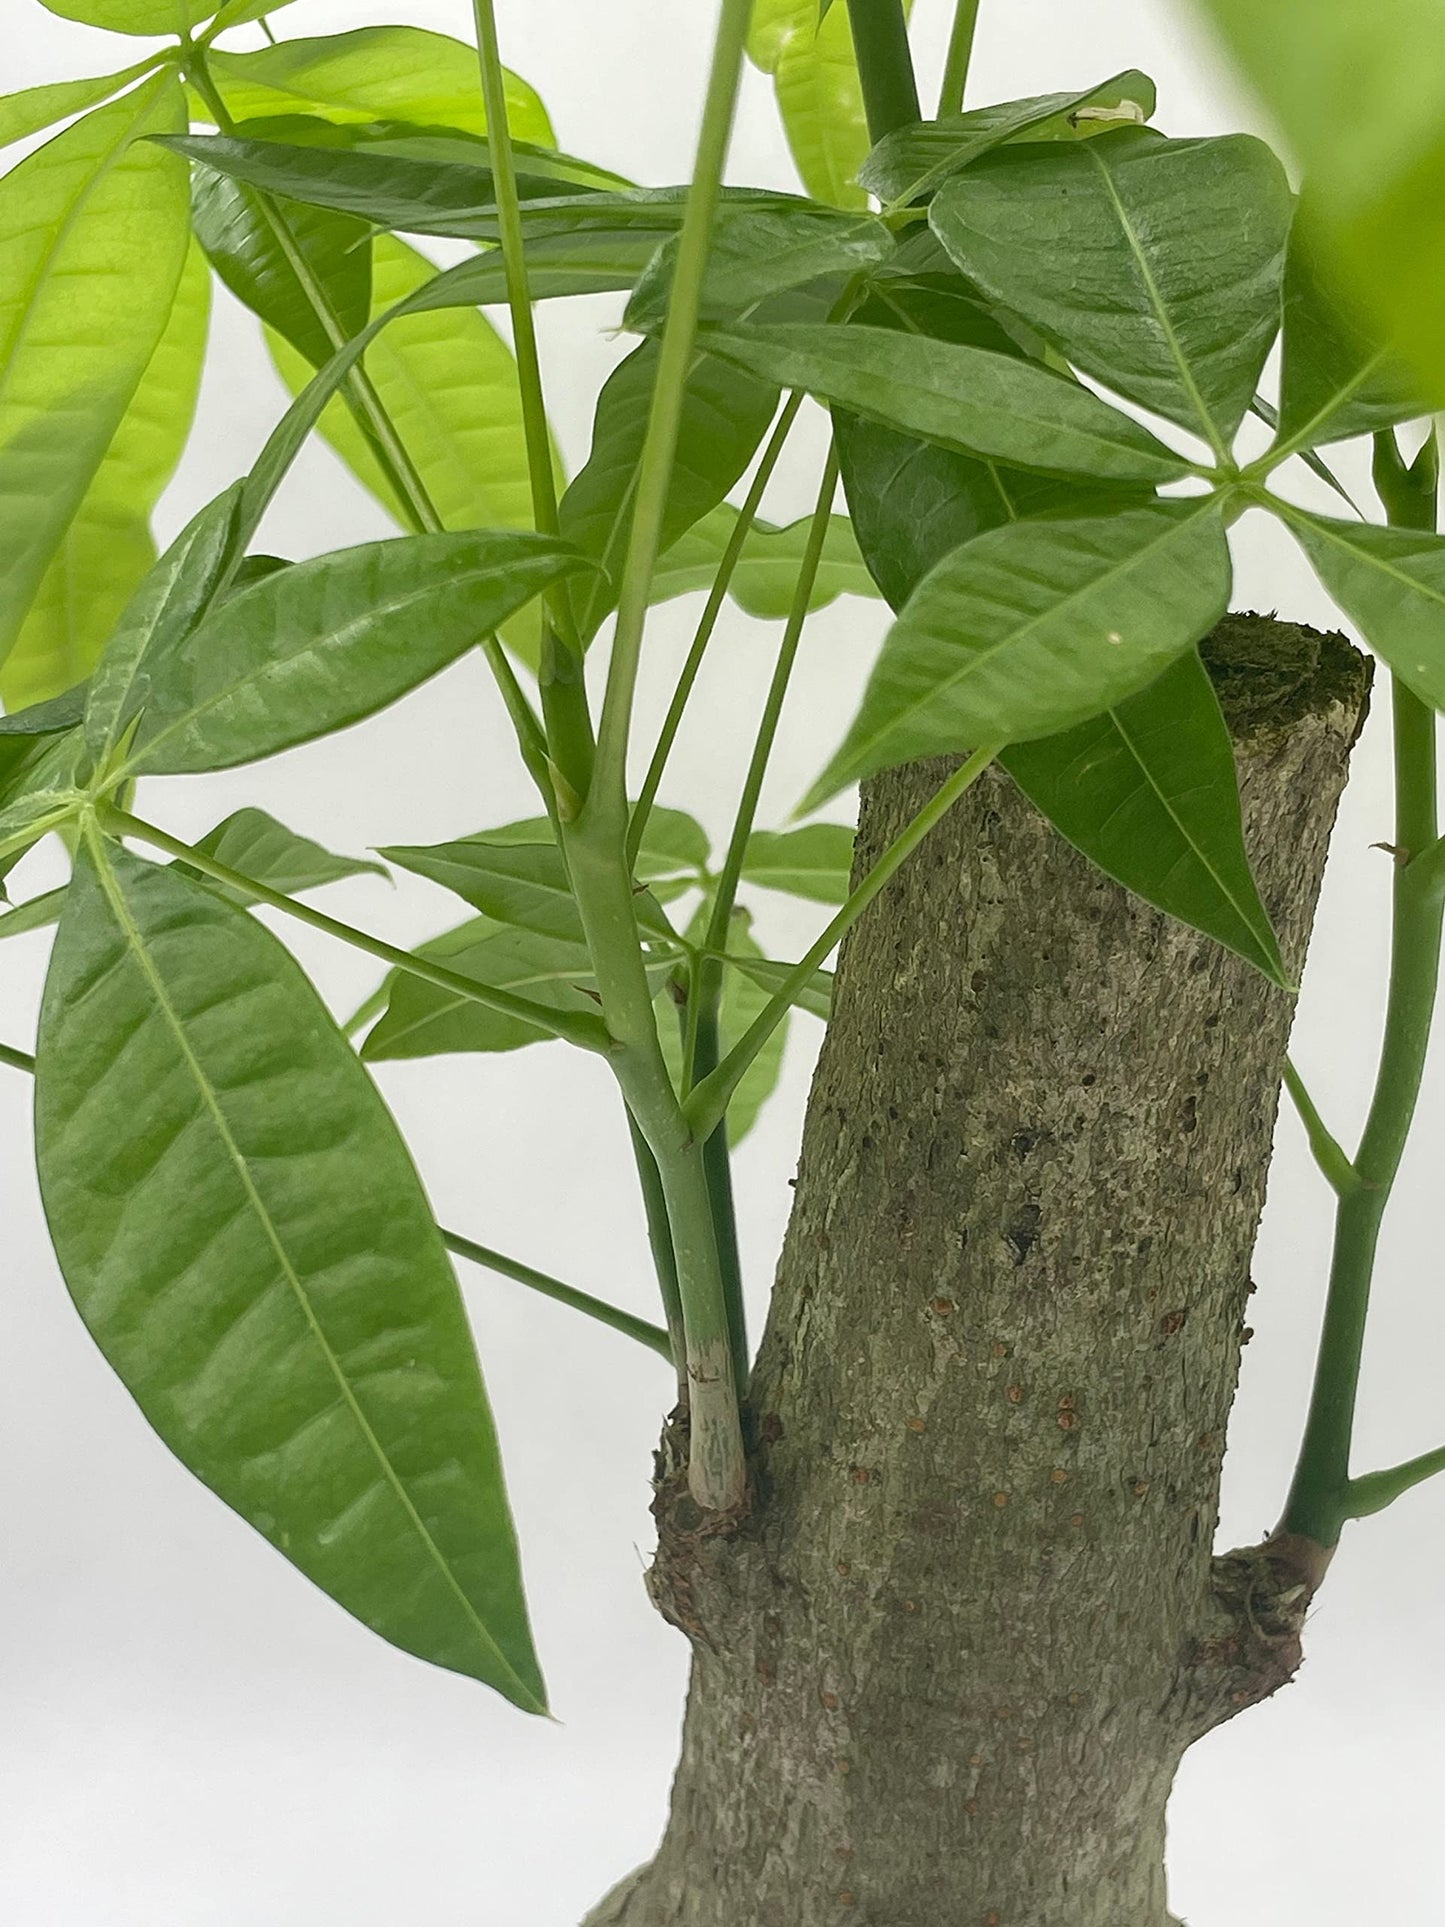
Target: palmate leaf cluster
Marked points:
1038	327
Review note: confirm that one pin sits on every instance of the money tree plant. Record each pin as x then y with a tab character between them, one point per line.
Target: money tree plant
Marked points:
943	1544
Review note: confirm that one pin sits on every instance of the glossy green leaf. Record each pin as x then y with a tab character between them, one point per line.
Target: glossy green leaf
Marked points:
256	845
327	642
250	241
76	217
906	164
37	108
374	73
820	98
52	717
1336	381
107	548
448	382
725	414
237	13
757	252
912	501
421	1020
959	396
38	784
151	18
1154	265
766	575
384	190
1148	792
167	604
246	1238
1391	585
814	862
1035	627
1358	91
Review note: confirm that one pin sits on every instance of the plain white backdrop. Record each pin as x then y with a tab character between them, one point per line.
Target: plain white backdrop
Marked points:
193	1736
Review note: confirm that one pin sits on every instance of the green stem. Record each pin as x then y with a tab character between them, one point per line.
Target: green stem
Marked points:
1326	1150
18	1060
737	541
664	1258
1375	1490
885	65
387	445
960	54
706	1106
710	974
583	1301
705	1043
564	695
654	473
578	1027
602	885
1319	1501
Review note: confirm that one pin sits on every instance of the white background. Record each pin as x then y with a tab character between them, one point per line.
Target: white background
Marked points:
194	1737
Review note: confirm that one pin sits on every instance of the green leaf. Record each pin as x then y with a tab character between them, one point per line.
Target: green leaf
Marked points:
961	397
815	74
49	718
421	1020
673	844
1391	585
151	18
816	996
244	1234
1336	380
76	218
167	604
725	414
1148	792
325	643
911	501
1358	91
37	108
814	862
107	548
258	846
383	190
374	73
1035	627
523	884
906	164
1154	265
757	252
243	237
765	578
448	382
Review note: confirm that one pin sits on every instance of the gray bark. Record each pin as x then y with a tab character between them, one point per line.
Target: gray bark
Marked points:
946	1668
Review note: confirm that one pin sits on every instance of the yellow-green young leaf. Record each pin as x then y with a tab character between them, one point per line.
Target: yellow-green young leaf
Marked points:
151	18
449	383
93	237
108	547
1358	89
40	107
819	94
374	73
246	1238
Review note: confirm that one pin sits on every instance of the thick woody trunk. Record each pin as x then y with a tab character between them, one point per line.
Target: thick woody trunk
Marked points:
945	1671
